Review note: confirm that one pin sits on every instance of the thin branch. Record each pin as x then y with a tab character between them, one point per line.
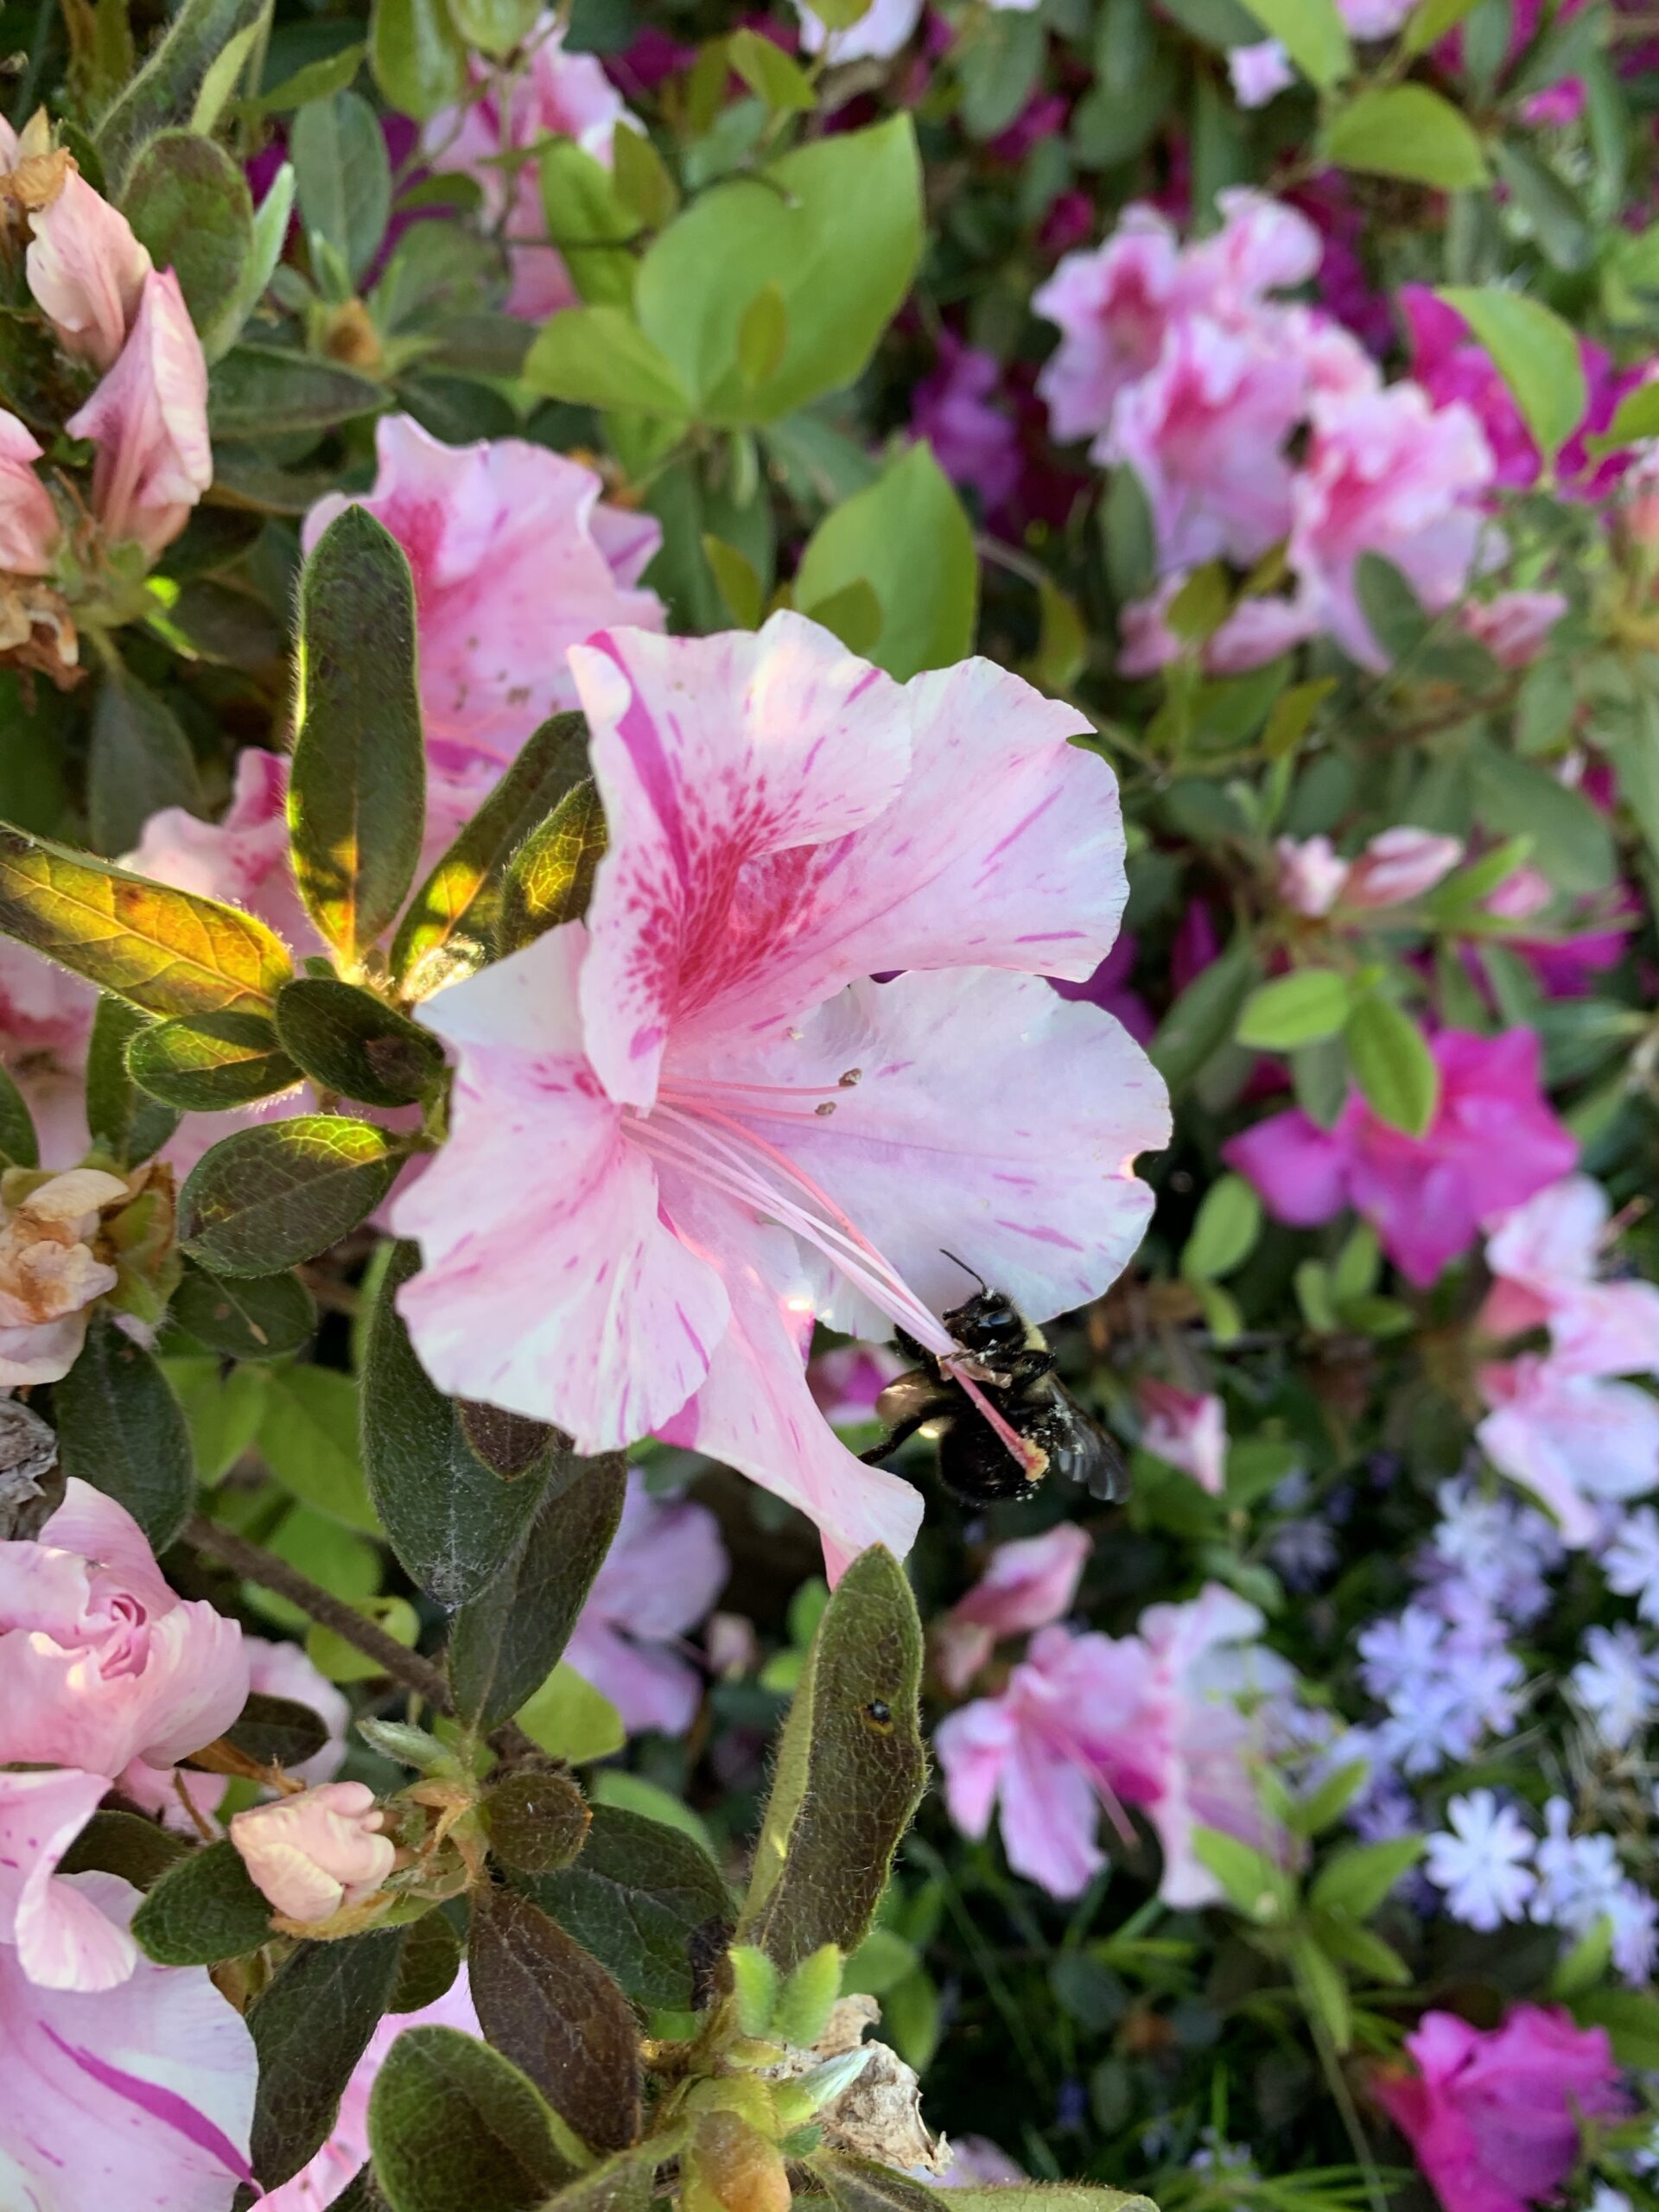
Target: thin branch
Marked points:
256	1564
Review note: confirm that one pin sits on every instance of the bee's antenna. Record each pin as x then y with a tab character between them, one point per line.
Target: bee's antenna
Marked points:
966	1269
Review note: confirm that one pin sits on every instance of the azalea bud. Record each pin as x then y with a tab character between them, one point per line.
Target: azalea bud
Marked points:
1310	875
735	2168
29	529
314	1852
803	2007
149	419
86	269
1398	864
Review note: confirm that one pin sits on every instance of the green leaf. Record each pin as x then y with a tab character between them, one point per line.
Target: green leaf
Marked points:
350	1041
1228	1223
600	357
213	95
139	760
453	918
165	951
549	878
537	1822
166	90
1327	1804
645	1900
189	204
770	73
587	222
1585	1963
835	225
120	1119
276	1731
1253	1883
123	1844
308	1439
314	80
1431	20
1354	1946
428	1966
357	798
1392	1065
509	1635
571	1720
1201	1021
19	1146
853	614
1406	130
1572	842
266	391
222	1407
762	333
456	2127
1293	1010
1355	1879
644	184
203	1909
495	27
120	1429
1636	417
1534	352
1312	34
310	2025
849	1773
1631	2019
1559	220
453	1520
344	177
418	58
210	1062
907	538
551	2007
740	586
266	1198
1323	1990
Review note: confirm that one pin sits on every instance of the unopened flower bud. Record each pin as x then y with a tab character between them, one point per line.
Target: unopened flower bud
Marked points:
310	1855
735	2168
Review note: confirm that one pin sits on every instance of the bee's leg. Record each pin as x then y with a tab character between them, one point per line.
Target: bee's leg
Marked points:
902	1434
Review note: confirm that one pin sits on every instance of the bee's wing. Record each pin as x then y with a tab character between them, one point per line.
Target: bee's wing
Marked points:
1080	1451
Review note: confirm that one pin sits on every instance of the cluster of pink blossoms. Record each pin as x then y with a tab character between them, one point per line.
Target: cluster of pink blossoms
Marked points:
1165	1721
1184	365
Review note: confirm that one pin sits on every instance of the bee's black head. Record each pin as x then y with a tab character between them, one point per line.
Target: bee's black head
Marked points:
990	1323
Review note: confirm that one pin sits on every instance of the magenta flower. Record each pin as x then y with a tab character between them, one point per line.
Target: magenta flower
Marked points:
659	1581
1492	1144
552	95
86	269
29	529
516	558
100	1665
140	2097
644	1203
1024	1585
974	442
1152	1719
1493	2115
149	420
1387	474
1186	1428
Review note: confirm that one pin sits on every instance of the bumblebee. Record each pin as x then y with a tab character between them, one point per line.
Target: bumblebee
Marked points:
1007	1361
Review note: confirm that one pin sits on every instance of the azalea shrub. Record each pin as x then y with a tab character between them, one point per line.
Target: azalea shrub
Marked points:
828	850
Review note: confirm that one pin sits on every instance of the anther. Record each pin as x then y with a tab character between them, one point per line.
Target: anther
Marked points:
827	1107
852	1075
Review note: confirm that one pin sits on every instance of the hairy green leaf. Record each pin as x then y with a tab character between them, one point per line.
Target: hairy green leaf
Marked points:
268	1196
204	1909
121	1429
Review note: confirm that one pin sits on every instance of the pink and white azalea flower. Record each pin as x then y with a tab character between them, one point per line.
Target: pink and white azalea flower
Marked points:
1546	1256
1186	1428
1153	1719
29	529
149	420
100	1666
1576	1441
685	1128
86	269
1024	1585
516	558
140	2097
547	94
661	1576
